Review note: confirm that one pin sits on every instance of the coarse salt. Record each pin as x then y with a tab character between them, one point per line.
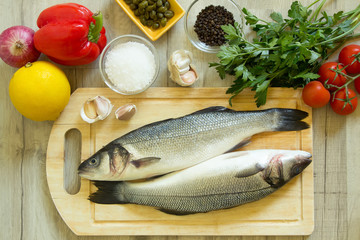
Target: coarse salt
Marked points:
130	67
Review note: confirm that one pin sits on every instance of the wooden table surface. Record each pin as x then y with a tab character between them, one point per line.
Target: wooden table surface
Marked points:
27	210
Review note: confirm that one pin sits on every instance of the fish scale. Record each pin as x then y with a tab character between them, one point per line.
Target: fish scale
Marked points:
209	135
174	144
222	182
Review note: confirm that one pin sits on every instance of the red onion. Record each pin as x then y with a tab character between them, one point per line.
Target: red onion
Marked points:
17	46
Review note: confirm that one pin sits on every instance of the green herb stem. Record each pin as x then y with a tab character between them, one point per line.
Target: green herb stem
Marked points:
312	4
339	36
355	13
317	11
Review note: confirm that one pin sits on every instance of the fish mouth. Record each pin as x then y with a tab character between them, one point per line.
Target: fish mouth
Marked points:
81	172
305	158
85	174
306	162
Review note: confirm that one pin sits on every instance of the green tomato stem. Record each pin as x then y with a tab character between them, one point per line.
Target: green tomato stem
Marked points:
349	78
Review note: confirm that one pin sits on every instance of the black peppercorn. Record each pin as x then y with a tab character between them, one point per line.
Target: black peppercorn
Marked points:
208	24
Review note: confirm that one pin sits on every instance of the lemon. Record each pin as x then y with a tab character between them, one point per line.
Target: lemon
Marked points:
40	91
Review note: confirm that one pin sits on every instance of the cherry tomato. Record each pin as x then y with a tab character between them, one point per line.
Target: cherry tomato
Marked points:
328	76
348	55
315	94
357	84
344	105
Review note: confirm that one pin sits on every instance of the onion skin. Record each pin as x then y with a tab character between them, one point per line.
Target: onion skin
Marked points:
17	46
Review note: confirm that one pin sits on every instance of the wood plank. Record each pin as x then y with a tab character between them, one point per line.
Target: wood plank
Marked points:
11	145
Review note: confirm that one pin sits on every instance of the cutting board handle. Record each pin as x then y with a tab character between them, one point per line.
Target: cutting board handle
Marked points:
72	159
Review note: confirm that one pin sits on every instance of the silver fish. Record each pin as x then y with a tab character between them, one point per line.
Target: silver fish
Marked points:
222	182
175	144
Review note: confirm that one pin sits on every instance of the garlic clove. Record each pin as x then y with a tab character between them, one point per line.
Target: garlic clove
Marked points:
182	60
184	70
103	107
188	77
182	64
95	109
125	112
90	110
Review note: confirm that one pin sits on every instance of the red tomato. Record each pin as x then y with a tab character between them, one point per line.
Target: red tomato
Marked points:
347	57
357	84
315	94
328	76
343	105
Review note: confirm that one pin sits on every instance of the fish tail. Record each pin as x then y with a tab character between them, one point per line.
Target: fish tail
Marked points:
290	119
107	193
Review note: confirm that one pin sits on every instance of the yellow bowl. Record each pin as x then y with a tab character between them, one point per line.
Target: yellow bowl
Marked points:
151	33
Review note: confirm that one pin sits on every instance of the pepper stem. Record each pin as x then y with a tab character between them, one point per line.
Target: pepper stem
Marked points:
94	29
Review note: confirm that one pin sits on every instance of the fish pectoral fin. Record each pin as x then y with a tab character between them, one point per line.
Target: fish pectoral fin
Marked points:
174	212
250	171
240	145
142	162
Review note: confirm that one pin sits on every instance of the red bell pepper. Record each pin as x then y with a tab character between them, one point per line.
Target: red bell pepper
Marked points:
70	34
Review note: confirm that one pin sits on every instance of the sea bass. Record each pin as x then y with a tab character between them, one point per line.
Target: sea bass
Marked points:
174	144
222	182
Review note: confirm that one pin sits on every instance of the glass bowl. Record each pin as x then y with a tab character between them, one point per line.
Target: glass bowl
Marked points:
120	40
195	8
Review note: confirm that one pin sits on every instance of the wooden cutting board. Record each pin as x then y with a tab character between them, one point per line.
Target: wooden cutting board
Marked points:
289	211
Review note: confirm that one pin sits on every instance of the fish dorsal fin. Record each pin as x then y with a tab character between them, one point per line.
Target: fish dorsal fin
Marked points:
142	162
250	171
214	109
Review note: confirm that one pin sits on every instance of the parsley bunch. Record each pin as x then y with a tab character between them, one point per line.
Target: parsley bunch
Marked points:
285	52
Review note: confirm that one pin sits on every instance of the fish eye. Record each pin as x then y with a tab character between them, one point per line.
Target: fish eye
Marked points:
93	161
296	169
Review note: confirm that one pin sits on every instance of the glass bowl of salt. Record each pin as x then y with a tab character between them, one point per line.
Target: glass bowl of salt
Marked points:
129	64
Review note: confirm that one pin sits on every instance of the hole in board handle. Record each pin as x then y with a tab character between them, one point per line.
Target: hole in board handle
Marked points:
72	159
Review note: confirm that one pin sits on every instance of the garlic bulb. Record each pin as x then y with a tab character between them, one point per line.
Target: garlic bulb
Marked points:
181	70
95	109
125	112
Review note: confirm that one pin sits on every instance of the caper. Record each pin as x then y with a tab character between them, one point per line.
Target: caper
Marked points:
153	15
149	23
147	16
143	4
133	6
141	10
136	12
163	22
143	20
159	3
162	9
155	25
151	7
169	14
